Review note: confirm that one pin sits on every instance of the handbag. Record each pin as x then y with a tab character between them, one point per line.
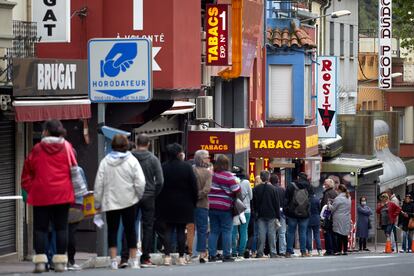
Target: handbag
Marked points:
78	181
238	205
411	224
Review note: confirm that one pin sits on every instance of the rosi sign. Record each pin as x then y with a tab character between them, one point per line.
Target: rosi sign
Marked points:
385	44
217	35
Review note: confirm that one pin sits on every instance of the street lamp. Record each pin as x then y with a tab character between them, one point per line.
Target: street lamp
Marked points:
335	14
393	76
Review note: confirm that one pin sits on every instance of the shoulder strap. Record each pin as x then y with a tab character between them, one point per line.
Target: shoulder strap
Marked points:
70	155
295	186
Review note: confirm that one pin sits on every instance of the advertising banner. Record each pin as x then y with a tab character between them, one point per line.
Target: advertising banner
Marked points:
217	35
326	92
385	44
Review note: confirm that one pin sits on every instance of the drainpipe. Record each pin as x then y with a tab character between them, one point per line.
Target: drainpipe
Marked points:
235	70
322	41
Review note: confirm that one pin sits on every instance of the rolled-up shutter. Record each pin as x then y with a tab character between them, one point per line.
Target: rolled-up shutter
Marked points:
7	188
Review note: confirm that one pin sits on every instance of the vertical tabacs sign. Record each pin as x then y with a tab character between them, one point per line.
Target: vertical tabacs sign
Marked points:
385	44
53	20
217	35
327	86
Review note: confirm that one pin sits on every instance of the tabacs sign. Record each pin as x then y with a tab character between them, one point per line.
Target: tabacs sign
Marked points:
385	44
326	89
217	35
53	20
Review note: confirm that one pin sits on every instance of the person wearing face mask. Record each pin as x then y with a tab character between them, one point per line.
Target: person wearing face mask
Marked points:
363	223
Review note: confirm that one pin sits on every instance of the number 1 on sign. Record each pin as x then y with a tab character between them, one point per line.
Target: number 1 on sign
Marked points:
223	20
138	15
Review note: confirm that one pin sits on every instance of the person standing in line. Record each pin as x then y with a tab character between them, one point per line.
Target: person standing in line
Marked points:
204	176
154	182
341	219
242	229
363	224
329	194
297	210
406	213
388	212
119	186
393	198
281	232
266	205
177	201
224	189
314	226
47	180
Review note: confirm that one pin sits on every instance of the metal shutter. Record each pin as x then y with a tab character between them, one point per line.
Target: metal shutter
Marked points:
7	188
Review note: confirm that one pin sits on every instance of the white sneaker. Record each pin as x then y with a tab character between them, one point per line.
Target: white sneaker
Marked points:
134	263
167	261
181	261
74	267
114	264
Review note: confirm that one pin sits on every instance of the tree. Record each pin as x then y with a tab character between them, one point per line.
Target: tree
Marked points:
403	23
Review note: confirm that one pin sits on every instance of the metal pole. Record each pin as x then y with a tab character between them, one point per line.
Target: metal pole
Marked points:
101	241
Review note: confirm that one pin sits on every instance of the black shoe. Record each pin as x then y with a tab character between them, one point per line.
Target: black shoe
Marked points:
219	257
259	256
366	249
246	254
202	260
344	254
228	259
212	259
282	255
234	255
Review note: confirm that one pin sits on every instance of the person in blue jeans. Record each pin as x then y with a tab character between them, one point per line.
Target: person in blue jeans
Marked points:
203	175
224	189
314	226
297	211
281	232
240	231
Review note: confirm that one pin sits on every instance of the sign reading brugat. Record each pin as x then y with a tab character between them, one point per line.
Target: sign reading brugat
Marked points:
385	44
327	97
217	35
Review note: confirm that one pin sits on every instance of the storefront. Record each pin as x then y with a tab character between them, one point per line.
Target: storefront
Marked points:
286	151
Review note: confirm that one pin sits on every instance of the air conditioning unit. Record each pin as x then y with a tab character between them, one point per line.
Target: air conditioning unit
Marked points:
204	108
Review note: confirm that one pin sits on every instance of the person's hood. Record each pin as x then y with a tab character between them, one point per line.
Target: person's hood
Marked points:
52	145
302	183
142	155
116	158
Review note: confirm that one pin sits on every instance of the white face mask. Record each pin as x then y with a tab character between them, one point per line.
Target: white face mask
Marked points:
363	203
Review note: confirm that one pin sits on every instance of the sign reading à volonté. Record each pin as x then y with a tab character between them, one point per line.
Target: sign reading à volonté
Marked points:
385	44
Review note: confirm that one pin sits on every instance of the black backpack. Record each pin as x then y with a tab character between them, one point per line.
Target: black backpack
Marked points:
300	205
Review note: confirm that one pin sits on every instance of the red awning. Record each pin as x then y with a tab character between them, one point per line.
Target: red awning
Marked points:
34	111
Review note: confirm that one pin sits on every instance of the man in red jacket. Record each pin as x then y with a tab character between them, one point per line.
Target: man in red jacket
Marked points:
388	212
47	180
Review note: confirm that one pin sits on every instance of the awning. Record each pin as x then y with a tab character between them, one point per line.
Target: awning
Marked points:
180	107
410	179
42	110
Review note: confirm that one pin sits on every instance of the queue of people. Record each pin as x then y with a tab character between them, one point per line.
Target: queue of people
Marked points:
186	203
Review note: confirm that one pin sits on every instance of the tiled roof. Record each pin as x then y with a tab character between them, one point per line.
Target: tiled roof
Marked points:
287	38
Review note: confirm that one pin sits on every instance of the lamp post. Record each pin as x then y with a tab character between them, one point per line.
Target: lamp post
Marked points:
335	14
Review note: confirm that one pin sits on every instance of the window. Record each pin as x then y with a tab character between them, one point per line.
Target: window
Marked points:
401	125
375	105
351	40
364	105
280	92
342	40
369	105
332	39
308	91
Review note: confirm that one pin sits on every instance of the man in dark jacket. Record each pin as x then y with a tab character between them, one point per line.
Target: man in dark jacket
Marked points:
266	202
297	211
281	232
406	213
154	182
329	195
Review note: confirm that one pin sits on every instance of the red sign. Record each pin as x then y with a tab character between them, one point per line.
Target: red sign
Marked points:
217	35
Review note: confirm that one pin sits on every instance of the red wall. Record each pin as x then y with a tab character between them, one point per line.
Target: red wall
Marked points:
399	99
406	150
179	22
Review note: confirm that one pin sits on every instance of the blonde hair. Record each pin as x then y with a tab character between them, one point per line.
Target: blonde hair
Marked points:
330	183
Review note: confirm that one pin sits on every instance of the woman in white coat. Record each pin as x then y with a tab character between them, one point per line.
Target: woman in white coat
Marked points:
119	185
341	218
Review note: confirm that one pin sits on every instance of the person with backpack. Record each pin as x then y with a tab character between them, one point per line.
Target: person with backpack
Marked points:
341	219
297	211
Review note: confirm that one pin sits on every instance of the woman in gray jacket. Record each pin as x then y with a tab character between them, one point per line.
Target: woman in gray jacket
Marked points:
341	217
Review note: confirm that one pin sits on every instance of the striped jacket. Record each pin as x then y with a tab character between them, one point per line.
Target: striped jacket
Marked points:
224	188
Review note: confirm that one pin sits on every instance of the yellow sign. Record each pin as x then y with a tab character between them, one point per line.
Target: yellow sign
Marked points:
242	141
215	145
312	141
381	142
276	144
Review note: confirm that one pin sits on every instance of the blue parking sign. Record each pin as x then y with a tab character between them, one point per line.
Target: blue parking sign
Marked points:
119	70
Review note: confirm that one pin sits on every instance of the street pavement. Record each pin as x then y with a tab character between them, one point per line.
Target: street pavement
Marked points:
354	264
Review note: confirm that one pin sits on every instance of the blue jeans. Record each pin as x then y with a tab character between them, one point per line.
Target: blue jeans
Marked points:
243	236
281	235
303	227
220	222
201	224
316	236
407	240
266	226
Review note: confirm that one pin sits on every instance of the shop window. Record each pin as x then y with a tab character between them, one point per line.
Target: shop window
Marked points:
280	92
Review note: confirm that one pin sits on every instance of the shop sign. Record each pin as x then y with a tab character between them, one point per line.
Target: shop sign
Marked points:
385	44
252	172
229	141
381	142
284	142
217	35
49	77
53	20
326	89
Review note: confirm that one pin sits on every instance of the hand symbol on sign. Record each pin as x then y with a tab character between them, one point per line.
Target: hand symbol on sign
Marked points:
120	57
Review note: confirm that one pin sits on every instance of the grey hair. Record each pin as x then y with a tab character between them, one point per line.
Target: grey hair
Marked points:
330	183
265	176
199	158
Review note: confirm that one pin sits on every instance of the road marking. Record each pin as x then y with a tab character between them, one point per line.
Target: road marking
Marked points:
374	257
